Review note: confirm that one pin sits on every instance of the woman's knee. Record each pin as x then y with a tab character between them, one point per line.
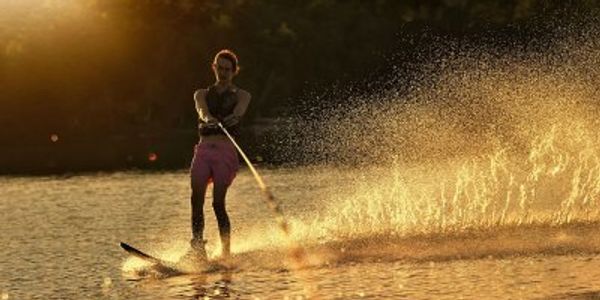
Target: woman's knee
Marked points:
218	205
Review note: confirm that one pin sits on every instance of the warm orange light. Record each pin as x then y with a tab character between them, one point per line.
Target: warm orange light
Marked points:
54	137
152	156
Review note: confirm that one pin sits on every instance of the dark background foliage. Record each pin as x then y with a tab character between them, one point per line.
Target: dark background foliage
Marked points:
111	81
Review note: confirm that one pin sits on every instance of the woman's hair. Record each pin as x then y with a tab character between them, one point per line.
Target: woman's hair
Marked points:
230	56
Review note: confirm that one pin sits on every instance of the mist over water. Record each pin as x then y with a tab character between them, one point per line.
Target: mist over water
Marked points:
488	142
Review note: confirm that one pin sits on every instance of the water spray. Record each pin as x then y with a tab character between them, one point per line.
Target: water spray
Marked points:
296	251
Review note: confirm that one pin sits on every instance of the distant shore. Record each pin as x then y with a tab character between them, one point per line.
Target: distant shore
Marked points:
170	149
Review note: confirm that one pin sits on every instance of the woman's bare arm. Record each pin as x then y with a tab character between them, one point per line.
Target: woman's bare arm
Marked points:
201	106
240	108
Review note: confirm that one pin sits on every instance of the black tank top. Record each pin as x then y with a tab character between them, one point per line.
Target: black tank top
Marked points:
220	105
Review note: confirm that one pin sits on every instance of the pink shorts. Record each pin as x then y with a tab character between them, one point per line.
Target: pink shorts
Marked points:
215	161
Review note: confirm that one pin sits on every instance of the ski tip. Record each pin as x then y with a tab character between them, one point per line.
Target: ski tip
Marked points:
127	247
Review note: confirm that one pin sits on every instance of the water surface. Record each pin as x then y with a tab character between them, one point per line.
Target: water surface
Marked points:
60	239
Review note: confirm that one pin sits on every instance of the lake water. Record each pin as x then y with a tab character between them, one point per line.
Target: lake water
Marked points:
366	235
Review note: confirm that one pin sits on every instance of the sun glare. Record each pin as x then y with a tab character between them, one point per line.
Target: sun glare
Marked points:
22	14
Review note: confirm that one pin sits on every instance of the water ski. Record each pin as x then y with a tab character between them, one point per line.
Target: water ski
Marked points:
160	265
169	267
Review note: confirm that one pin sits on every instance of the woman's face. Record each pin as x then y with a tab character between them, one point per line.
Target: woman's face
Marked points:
223	69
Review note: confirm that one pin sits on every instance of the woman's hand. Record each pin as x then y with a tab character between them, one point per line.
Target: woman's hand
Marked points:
211	122
231	120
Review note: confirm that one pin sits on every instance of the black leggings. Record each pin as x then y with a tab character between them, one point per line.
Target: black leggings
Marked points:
219	194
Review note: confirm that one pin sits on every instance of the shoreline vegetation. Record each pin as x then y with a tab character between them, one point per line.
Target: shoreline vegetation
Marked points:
165	150
104	85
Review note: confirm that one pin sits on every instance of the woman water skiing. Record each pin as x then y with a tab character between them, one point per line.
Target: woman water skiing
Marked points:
215	157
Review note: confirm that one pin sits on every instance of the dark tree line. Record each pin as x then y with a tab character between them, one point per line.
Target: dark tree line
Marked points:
86	69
